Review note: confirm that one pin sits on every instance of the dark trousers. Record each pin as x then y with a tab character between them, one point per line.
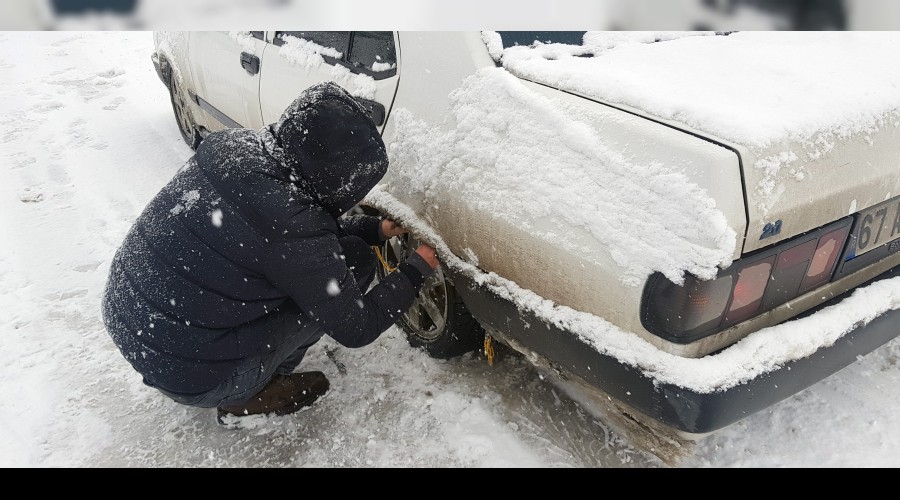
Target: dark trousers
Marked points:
285	335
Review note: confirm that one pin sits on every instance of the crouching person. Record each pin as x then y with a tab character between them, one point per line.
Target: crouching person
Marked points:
244	260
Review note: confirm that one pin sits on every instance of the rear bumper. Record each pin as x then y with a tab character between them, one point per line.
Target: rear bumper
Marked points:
677	407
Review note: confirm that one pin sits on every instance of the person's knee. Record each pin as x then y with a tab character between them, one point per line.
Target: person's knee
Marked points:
359	257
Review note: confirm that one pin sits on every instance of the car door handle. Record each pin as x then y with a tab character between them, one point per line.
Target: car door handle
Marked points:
250	63
374	109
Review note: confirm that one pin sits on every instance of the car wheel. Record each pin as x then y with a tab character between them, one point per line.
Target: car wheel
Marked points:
438	320
183	114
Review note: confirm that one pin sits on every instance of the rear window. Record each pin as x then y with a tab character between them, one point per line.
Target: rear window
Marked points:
527	38
368	52
337	40
373	50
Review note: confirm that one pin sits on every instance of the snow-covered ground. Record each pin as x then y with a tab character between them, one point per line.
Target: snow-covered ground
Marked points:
87	138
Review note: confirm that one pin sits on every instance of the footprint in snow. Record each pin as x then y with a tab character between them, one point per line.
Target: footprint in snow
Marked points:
22	160
87	268
17	124
69	294
111	73
114	104
66	40
58	174
47	107
30	195
90	86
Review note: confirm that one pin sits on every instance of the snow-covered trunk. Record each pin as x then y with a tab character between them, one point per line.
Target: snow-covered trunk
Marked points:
809	184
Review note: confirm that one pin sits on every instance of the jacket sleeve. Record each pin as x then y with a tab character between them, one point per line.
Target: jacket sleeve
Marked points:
366	227
312	272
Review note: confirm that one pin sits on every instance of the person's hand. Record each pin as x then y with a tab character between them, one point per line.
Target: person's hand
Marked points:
429	255
390	229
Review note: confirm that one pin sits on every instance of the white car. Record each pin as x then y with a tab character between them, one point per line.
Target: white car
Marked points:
624	209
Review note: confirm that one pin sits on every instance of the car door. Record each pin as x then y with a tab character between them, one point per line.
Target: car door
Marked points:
226	76
363	62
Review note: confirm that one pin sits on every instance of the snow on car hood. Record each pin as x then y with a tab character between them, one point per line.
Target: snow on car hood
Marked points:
537	164
753	88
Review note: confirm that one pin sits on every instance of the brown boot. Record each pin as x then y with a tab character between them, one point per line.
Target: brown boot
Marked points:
285	394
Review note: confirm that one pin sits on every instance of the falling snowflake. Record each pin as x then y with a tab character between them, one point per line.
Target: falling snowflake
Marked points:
217	217
333	288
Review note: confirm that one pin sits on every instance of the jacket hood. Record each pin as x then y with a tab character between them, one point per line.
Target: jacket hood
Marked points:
331	143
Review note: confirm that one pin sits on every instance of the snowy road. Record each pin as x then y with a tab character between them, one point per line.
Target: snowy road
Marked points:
87	138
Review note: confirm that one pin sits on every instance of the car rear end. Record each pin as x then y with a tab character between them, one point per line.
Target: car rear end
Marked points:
818	220
826	230
812	262
820	223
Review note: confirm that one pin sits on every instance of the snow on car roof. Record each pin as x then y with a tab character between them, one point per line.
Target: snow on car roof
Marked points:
752	88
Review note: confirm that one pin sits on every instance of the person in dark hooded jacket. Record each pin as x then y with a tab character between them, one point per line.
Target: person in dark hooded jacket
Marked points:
245	260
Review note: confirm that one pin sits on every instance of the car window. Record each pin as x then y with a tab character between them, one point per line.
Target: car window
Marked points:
368	52
527	38
373	50
259	35
338	40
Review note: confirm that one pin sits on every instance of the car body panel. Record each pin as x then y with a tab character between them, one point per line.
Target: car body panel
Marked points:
221	80
433	65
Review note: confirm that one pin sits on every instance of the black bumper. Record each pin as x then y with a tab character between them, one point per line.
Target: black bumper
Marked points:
677	407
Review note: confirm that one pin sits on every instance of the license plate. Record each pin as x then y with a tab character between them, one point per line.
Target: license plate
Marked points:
878	226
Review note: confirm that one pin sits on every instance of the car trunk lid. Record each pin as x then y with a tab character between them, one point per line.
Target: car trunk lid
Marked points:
793	188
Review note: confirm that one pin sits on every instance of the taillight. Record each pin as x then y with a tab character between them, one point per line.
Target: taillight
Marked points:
697	306
822	266
748	293
751	286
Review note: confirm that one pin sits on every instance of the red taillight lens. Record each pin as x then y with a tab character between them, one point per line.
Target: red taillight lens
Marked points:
822	266
790	268
749	290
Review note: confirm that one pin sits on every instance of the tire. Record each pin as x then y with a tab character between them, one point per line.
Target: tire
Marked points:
184	116
438	321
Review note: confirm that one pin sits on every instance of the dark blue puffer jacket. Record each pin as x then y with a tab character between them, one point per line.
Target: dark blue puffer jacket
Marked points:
252	221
